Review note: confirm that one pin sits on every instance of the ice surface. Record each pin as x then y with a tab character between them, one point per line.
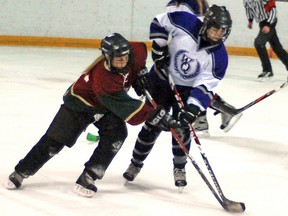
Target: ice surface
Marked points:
250	161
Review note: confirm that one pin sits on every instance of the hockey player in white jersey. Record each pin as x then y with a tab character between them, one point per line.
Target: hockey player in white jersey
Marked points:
197	7
226	110
197	60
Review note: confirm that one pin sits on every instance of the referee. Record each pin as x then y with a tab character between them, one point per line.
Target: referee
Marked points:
264	13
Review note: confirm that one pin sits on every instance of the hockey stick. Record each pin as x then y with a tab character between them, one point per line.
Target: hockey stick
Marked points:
261	98
228	205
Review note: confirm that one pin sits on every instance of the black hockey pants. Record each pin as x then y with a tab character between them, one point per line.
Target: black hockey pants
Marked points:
65	129
260	45
112	132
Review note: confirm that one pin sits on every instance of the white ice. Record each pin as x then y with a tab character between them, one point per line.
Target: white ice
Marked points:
250	161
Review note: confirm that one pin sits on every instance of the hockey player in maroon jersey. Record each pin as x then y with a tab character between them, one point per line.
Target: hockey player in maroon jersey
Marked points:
98	97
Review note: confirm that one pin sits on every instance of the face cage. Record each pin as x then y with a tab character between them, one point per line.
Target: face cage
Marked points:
116	70
225	36
204	33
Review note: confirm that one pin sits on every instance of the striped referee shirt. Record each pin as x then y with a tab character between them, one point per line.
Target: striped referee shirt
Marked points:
261	10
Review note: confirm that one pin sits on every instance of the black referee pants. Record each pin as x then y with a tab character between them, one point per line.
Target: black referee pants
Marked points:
272	38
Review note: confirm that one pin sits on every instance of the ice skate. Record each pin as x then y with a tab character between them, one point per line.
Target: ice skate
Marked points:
265	76
180	178
228	121
14	181
85	185
131	172
201	126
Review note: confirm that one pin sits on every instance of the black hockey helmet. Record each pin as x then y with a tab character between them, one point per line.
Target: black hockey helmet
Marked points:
115	45
218	17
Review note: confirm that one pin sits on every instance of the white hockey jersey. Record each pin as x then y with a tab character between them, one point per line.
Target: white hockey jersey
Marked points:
194	62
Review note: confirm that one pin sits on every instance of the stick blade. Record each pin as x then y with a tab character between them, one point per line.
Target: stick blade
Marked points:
231	206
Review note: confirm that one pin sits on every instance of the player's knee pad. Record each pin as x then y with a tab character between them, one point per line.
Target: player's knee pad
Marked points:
49	146
186	139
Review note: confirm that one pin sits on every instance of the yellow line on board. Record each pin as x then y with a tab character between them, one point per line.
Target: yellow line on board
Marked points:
10	40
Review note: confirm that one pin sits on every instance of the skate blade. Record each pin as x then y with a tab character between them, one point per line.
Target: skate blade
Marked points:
180	185
265	79
80	190
181	189
9	185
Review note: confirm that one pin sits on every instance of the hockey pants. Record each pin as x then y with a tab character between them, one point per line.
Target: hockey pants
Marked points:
64	130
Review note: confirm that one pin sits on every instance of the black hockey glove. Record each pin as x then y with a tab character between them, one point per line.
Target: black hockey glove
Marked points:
160	55
189	115
163	120
221	106
142	82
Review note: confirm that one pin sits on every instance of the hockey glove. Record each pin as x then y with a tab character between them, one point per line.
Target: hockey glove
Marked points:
163	120
142	82
189	115
160	55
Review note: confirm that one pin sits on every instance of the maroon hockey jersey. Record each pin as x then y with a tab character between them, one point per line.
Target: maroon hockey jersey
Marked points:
102	91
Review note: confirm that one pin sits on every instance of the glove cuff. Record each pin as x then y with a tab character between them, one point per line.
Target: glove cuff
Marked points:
195	110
